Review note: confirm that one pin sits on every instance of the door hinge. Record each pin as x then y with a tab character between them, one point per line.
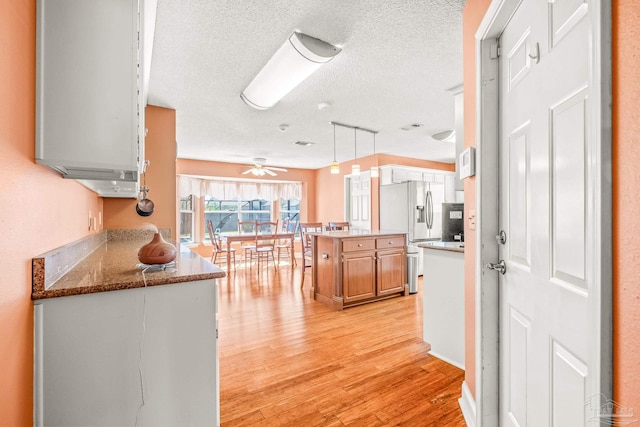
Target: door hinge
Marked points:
494	51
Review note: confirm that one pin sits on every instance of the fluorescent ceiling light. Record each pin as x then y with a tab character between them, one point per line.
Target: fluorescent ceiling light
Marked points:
296	60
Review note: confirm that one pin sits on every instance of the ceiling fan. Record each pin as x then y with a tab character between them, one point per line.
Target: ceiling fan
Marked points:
259	169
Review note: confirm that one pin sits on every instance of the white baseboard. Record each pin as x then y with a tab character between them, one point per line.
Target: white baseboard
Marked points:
468	406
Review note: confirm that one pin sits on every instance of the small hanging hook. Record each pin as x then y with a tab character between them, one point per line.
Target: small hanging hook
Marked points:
537	54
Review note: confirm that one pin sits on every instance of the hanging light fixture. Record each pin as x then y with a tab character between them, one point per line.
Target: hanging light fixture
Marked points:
355	168
375	172
335	166
292	63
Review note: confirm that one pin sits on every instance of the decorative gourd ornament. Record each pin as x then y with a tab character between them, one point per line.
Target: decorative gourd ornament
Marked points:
157	251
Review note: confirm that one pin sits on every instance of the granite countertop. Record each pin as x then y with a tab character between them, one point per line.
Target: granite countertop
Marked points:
443	246
114	265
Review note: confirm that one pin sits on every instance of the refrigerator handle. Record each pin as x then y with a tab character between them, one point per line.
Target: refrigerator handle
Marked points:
429	206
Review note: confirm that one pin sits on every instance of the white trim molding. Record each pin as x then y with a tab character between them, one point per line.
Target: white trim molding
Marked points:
468	405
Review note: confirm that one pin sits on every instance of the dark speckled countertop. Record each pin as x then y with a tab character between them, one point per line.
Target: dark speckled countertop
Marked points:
443	246
114	265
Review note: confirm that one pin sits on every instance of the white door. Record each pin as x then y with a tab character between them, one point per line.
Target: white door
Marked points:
545	71
360	202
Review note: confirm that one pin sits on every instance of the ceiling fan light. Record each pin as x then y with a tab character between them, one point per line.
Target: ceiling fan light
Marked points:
292	63
335	168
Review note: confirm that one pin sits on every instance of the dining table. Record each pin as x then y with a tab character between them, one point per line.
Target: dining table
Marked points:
230	238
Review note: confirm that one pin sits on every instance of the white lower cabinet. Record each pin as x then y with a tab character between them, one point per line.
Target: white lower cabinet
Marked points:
136	357
443	305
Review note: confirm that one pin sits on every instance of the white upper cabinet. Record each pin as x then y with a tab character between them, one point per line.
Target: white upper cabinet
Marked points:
391	174
399	175
450	180
90	107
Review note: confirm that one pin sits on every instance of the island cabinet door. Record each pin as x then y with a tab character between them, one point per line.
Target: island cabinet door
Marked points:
391	267
358	276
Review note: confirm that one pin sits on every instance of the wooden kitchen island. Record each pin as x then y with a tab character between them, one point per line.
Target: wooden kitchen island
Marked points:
357	267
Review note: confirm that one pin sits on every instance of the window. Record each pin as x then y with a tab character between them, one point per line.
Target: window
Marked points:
222	213
226	202
255	210
290	213
225	214
186	219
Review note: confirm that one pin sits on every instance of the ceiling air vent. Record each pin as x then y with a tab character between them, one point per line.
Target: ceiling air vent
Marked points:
303	143
413	126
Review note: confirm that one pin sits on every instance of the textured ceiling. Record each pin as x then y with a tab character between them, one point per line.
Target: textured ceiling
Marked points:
397	60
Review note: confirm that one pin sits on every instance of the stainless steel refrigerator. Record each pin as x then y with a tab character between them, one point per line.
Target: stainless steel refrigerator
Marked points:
413	207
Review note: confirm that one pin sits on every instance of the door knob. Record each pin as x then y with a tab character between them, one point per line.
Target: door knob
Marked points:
500	267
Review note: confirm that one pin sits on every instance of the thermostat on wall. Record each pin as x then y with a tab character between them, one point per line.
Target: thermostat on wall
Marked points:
467	162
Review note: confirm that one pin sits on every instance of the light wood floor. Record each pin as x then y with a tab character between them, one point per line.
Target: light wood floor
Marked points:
286	359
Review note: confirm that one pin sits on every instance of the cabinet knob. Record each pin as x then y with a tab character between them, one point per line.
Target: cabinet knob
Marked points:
390	242
359	245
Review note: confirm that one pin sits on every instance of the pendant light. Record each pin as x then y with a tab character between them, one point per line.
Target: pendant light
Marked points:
375	172
335	167
355	168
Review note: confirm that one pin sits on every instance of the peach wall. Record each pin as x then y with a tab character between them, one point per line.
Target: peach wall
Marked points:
322	193
160	150
330	188
330	193
234	170
40	210
472	15
388	159
626	221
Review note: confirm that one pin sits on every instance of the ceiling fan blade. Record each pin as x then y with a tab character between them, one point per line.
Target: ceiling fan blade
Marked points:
247	171
275	169
269	172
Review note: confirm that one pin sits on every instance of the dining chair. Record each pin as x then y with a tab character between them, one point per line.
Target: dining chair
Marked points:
333	226
265	243
218	248
247	227
283	246
307	254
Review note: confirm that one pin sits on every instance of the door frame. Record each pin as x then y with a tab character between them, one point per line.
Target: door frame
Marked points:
487	360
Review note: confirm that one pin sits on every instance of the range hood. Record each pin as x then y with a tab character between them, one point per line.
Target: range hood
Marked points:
114	188
106	182
96	173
